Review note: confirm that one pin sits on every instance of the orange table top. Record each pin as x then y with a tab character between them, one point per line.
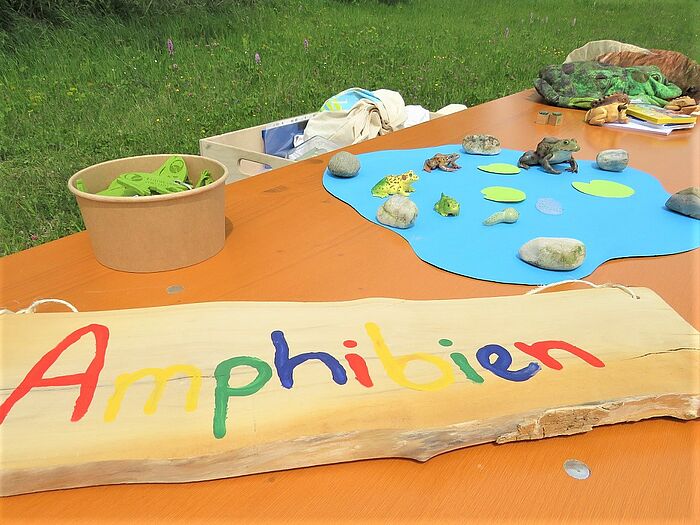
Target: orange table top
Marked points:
288	239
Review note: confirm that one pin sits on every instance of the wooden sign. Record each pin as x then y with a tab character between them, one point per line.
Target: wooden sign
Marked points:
211	390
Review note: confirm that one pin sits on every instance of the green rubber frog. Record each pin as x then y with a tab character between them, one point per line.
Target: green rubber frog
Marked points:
168	178
447	206
395	184
551	150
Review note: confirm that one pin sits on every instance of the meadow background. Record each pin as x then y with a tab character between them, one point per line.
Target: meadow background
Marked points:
84	81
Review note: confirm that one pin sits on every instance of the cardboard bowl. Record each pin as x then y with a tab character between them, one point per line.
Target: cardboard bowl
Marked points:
153	233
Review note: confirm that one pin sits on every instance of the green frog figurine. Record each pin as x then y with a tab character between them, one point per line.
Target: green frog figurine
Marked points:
395	184
447	206
551	150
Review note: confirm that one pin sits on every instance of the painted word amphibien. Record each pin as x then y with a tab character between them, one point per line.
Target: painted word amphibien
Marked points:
492	357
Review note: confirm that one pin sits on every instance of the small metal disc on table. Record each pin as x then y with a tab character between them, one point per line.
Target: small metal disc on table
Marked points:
576	469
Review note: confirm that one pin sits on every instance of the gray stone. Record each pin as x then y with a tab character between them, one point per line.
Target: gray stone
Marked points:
398	211
612	159
344	164
686	201
481	145
553	253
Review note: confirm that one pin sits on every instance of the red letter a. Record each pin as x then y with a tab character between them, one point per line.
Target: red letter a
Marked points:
87	380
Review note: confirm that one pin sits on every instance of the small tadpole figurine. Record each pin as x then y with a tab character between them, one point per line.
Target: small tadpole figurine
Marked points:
442	162
551	150
509	216
612	108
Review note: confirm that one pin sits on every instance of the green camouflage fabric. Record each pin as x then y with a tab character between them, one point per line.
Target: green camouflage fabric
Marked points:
578	84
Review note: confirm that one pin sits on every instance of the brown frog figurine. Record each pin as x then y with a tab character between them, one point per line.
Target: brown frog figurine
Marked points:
551	150
612	108
442	162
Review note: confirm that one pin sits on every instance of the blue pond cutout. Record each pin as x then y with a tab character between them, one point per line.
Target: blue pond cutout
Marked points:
635	226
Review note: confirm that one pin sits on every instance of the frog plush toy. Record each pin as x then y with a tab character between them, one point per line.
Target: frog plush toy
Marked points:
579	84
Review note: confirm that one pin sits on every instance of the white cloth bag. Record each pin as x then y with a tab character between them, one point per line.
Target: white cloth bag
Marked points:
365	120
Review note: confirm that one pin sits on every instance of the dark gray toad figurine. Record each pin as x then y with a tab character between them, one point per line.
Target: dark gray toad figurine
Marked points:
551	150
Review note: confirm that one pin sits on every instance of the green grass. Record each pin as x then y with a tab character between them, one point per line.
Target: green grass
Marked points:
99	87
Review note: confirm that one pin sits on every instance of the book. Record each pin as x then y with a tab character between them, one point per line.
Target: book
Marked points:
670	126
648	127
658	115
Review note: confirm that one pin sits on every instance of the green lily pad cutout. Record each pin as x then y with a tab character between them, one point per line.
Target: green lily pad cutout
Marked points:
503	194
500	168
604	188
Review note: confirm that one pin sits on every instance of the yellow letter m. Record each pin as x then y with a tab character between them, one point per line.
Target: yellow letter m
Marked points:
160	376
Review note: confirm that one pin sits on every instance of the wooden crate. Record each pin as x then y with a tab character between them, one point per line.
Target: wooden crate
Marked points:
243	151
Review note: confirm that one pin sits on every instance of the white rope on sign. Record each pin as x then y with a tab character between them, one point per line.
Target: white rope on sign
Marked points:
31	309
569	281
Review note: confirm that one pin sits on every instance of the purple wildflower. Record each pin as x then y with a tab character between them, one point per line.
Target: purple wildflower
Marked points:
34	237
306	43
257	58
171	47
